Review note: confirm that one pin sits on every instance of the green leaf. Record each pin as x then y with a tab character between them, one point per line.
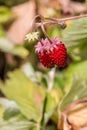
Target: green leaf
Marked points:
51	127
50	107
15	124
75	32
78	91
7	103
8	47
75	38
10	113
9	109
30	72
51	104
77	69
59	80
26	94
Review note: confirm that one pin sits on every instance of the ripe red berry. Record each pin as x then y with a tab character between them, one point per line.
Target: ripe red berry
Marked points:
45	59
51	51
43	49
59	55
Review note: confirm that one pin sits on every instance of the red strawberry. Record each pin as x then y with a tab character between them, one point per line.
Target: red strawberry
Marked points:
59	54
43	49
51	52
45	59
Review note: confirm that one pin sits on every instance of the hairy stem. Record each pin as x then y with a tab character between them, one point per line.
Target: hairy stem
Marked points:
57	20
52	76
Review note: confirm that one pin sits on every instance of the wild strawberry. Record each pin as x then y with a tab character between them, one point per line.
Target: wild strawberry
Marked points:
43	51
45	59
59	54
51	51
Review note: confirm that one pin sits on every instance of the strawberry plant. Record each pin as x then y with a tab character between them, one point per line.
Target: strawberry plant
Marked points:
52	92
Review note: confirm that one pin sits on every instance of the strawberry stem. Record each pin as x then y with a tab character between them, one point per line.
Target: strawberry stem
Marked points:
58	20
44	32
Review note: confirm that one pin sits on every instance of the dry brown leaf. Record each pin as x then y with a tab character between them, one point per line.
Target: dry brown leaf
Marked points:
22	25
75	119
60	121
49	8
64	3
51	3
54	4
66	125
85	128
72	7
63	123
78	7
78	117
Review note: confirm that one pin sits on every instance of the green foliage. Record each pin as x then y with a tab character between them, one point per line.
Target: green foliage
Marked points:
11	118
28	69
86	2
76	69
5	14
37	91
10	113
8	47
2	33
75	33
78	91
26	94
59	80
33	101
75	38
11	2
15	124
54	32
50	106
